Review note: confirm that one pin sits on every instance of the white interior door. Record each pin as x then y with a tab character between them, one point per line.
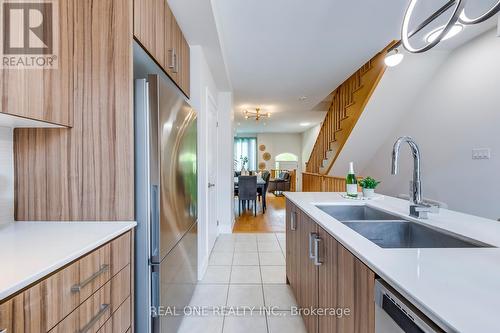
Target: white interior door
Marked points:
212	230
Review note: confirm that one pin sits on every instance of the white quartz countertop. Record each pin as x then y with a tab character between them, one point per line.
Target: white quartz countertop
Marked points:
31	250
459	289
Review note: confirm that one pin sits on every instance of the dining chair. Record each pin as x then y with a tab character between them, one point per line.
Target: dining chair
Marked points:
247	191
266	175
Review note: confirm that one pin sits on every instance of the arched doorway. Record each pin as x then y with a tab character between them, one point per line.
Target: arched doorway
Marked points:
286	161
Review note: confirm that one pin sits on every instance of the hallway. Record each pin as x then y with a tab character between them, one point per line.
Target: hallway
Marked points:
246	271
273	220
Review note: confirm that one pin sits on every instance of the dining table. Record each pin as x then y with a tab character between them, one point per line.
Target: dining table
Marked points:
261	183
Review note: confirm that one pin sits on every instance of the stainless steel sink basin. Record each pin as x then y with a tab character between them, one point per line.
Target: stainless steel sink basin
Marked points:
405	234
356	213
391	231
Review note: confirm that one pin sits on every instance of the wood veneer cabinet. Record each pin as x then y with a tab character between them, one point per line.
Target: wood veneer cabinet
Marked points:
292	246
337	280
91	292
345	282
157	30
45	94
308	272
85	172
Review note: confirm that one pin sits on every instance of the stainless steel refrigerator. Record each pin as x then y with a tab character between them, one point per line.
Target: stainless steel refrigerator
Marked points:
166	204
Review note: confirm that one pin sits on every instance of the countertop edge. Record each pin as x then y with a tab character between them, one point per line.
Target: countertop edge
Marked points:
23	284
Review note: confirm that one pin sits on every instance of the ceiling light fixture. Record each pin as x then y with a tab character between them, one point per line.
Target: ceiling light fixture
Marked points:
457	6
302	98
256	114
450	29
464	19
304	124
455	30
393	58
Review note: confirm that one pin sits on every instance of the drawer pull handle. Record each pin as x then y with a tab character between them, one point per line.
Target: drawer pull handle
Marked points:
78	287
312	236
102	311
171	58
176	64
317	260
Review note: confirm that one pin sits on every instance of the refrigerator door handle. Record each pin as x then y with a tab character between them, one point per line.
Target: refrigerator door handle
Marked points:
155	225
155	292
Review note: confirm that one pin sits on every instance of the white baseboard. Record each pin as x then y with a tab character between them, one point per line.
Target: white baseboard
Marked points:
202	267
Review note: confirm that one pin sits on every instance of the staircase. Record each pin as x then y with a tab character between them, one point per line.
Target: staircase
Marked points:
349	101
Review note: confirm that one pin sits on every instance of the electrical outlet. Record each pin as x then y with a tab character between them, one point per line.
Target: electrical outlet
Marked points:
481	154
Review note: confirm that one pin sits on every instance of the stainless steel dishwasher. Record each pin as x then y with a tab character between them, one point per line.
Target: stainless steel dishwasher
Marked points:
394	314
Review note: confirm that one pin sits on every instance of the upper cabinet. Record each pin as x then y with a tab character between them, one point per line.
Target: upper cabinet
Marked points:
156	29
43	93
85	172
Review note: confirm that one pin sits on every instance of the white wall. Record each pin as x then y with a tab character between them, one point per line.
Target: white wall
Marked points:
278	143
388	106
308	140
6	175
457	110
201	82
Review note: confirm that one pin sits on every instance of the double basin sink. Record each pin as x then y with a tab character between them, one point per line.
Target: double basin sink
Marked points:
391	231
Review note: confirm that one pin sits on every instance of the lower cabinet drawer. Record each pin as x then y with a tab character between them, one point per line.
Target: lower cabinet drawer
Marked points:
120	321
97	309
39	308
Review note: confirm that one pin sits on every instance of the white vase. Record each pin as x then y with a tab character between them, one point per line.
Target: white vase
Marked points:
368	192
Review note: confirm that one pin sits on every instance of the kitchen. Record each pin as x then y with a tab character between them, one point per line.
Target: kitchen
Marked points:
117	197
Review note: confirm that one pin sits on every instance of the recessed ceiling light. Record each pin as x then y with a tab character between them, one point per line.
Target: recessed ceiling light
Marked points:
455	30
393	58
304	124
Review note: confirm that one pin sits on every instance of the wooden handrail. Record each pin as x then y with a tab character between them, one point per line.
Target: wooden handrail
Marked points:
315	182
349	101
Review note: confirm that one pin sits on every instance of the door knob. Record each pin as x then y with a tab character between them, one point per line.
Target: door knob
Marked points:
210	185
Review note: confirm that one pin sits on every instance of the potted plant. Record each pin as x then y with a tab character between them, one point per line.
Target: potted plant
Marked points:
368	185
244	161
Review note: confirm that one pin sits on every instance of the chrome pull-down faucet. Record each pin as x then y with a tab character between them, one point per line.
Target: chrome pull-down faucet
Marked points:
417	207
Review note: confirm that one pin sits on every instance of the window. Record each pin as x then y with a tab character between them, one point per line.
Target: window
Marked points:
286	161
245	147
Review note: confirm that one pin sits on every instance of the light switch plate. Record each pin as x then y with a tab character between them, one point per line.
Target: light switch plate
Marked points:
481	153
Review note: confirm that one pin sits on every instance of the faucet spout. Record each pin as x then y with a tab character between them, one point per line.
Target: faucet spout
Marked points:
415	185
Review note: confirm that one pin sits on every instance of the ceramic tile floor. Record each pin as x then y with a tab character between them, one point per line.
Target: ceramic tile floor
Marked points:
245	270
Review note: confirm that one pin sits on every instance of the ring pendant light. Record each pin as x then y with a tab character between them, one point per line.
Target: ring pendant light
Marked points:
406	34
459	17
464	19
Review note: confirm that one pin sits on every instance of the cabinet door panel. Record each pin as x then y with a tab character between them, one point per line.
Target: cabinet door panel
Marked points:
345	282
86	172
185	71
292	254
168	40
176	34
44	94
308	273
